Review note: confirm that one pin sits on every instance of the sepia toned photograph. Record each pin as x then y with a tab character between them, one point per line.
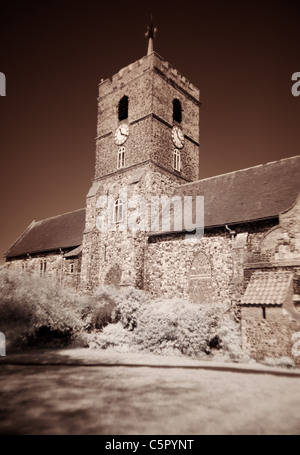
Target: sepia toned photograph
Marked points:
150	229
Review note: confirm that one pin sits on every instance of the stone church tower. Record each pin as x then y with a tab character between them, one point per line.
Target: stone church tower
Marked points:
147	143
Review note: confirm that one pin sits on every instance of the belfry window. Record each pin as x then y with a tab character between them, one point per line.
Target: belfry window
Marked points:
176	160
177	110
123	108
118	211
121	158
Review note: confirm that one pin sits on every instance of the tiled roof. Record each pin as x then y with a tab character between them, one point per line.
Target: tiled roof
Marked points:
73	253
268	288
62	231
255	193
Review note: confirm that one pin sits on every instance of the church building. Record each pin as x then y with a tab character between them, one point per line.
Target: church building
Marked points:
242	251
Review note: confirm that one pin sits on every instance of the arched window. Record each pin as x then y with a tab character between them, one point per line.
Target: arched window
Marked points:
176	160
121	158
177	110
123	108
118	211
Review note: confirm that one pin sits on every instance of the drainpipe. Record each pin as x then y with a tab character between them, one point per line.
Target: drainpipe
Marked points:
62	266
233	279
233	233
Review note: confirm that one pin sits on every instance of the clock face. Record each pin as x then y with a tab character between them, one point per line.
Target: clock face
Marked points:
178	137
121	133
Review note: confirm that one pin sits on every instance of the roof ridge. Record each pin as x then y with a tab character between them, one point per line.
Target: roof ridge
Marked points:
57	216
239	170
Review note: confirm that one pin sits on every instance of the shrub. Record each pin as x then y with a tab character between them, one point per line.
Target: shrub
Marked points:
179	326
129	301
37	309
109	304
283	362
99	310
230	339
169	327
113	336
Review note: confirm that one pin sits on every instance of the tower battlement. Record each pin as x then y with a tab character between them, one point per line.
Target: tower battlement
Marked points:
159	65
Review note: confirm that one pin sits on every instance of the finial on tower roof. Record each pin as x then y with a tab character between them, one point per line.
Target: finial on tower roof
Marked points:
150	34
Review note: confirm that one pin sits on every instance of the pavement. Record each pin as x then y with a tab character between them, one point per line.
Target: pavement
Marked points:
110	358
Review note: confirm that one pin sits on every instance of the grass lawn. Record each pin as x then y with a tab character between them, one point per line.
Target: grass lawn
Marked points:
90	399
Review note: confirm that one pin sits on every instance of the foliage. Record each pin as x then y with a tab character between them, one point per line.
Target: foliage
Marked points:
229	334
167	327
36	308
182	327
109	304
280	362
113	336
129	302
98	311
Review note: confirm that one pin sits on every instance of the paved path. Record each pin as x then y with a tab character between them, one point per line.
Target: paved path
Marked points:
90	391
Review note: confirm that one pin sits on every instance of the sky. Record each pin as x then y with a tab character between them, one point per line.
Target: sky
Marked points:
241	55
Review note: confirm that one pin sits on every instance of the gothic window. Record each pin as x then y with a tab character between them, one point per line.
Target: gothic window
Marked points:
118	211
123	108
72	267
177	110
121	158
201	281
176	160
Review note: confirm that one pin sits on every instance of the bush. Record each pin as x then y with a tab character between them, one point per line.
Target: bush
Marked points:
229	334
99	310
36	309
129	302
179	326
112	336
168	327
109	304
279	362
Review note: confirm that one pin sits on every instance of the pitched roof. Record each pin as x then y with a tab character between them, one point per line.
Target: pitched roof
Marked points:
62	231
250	194
73	253
268	288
